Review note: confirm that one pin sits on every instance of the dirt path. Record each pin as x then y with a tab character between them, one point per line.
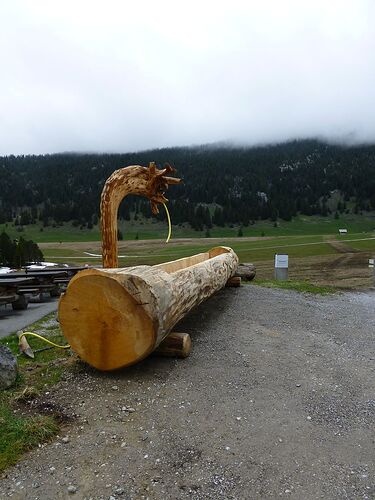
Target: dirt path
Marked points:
276	400
341	246
346	271
140	244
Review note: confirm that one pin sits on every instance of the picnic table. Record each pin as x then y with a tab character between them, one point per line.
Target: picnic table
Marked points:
17	287
52	281
66	269
41	281
11	292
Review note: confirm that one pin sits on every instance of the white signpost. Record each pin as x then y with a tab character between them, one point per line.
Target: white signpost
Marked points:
281	267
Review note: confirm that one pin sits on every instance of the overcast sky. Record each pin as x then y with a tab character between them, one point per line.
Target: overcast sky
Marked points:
129	75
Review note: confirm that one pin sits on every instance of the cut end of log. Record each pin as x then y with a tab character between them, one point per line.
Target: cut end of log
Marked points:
176	345
104	324
235	281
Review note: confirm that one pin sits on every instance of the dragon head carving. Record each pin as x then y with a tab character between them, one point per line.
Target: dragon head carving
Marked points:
150	182
158	183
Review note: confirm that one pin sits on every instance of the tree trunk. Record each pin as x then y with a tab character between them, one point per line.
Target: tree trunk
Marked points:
116	317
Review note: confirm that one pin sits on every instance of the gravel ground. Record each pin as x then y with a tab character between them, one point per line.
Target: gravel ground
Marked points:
276	400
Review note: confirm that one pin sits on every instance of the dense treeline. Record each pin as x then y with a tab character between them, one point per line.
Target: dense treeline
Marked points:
17	253
221	184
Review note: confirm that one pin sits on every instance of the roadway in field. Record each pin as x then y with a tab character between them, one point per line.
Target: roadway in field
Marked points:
333	243
12	321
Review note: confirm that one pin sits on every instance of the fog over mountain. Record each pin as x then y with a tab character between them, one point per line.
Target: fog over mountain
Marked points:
121	76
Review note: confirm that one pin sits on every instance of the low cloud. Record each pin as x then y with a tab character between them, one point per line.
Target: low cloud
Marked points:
113	76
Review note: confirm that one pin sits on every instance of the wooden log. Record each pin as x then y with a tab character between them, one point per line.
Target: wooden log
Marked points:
246	271
175	345
233	282
115	317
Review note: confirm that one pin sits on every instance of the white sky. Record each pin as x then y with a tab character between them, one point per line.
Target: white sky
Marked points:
124	75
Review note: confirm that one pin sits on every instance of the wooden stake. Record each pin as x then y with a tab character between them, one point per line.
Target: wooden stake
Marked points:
176	345
24	346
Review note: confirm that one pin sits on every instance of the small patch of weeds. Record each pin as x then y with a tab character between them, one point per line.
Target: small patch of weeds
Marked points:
298	286
20	433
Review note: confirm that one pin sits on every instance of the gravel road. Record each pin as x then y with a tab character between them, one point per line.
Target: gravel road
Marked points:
11	321
276	400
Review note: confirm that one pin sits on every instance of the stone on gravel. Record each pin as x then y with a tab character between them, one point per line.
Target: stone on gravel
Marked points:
246	271
72	489
8	367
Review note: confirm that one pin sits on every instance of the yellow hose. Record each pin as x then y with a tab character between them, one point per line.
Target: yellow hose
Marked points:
169	223
24	334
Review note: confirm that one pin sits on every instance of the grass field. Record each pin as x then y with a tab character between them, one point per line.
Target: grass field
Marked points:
298	286
153	229
253	250
312	243
323	260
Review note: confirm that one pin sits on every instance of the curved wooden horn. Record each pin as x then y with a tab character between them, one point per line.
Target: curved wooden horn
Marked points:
149	182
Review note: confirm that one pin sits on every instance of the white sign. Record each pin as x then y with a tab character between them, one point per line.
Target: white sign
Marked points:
371	262
343	231
281	261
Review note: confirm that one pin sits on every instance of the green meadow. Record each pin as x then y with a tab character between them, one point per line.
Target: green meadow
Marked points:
153	229
247	250
299	238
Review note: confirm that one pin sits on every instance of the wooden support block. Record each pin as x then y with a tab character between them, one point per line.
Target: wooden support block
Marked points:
235	281
177	345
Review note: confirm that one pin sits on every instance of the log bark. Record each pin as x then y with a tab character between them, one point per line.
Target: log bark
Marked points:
175	345
115	317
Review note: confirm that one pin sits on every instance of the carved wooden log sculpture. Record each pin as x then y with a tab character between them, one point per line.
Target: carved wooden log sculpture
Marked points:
116	317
